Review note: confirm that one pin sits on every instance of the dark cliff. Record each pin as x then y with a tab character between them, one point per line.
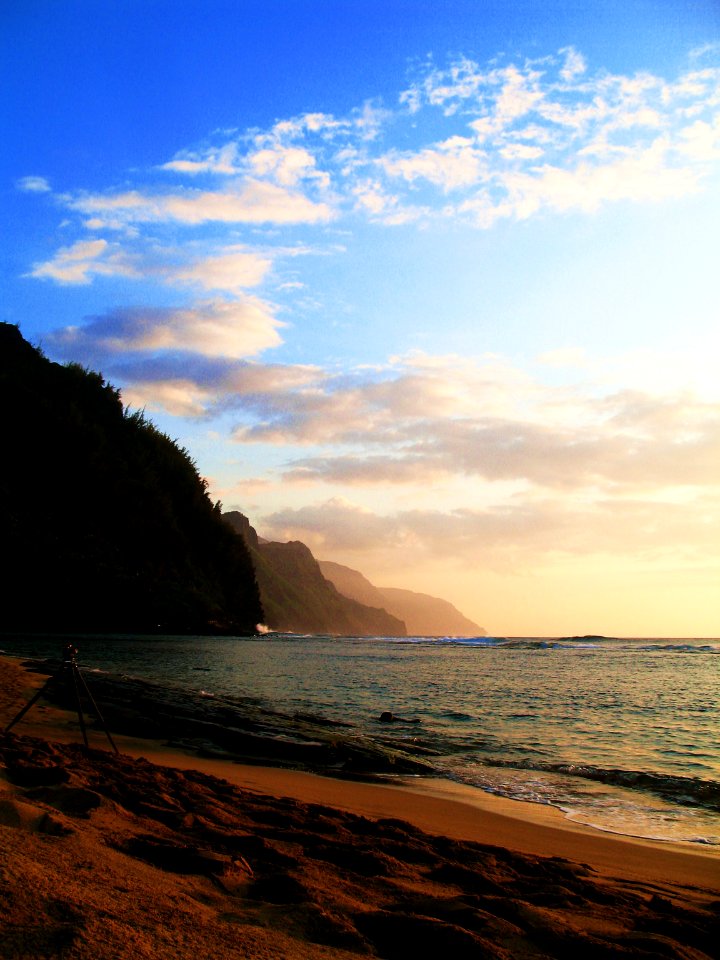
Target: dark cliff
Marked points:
297	598
105	523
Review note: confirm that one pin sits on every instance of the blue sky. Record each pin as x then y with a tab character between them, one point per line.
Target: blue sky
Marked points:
429	286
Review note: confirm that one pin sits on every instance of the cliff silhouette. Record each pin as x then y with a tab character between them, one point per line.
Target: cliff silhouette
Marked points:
107	527
301	594
105	522
423	615
297	598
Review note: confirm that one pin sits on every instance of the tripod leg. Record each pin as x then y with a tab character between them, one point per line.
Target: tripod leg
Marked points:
74	671
96	709
27	706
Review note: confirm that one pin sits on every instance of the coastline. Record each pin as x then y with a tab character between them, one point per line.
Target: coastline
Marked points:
434	804
526	833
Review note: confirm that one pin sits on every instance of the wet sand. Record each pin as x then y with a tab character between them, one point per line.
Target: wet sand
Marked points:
172	851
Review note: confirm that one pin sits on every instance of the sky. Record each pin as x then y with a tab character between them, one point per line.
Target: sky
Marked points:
430	286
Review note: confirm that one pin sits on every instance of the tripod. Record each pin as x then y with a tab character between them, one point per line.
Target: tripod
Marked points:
69	671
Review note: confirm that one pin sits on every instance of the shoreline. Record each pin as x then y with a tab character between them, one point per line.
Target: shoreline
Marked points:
159	852
432	803
467	813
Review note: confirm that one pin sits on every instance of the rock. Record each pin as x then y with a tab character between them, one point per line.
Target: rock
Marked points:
387	717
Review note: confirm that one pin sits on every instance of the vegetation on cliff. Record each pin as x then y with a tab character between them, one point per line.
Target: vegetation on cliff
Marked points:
105	523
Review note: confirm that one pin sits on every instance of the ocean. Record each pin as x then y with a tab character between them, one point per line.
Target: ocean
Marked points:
620	734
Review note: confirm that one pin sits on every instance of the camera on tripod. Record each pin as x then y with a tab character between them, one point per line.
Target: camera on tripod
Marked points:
70	652
72	675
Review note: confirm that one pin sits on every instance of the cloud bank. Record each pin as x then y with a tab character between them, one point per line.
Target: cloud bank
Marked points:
505	141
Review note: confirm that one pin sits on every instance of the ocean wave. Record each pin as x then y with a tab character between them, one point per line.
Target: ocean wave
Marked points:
465	641
686	791
515	643
589	642
680	647
529	643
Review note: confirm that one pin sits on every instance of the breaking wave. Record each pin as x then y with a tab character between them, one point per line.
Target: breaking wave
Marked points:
687	791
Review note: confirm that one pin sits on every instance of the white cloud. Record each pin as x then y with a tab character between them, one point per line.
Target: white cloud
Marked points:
379	204
252	202
574	469
451	417
286	165
222	160
99	224
698	53
701	140
655	372
521	151
632	133
637	177
233	270
695	85
335	524
181	398
33	185
444	88
191	384
574	66
369	120
323	124
213	328
506	140
528	532
520	94
76	264
641	177
454	163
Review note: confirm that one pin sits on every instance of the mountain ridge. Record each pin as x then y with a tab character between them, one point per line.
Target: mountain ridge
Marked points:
424	615
298	598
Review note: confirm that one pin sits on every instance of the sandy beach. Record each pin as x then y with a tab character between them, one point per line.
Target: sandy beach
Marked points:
157	852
